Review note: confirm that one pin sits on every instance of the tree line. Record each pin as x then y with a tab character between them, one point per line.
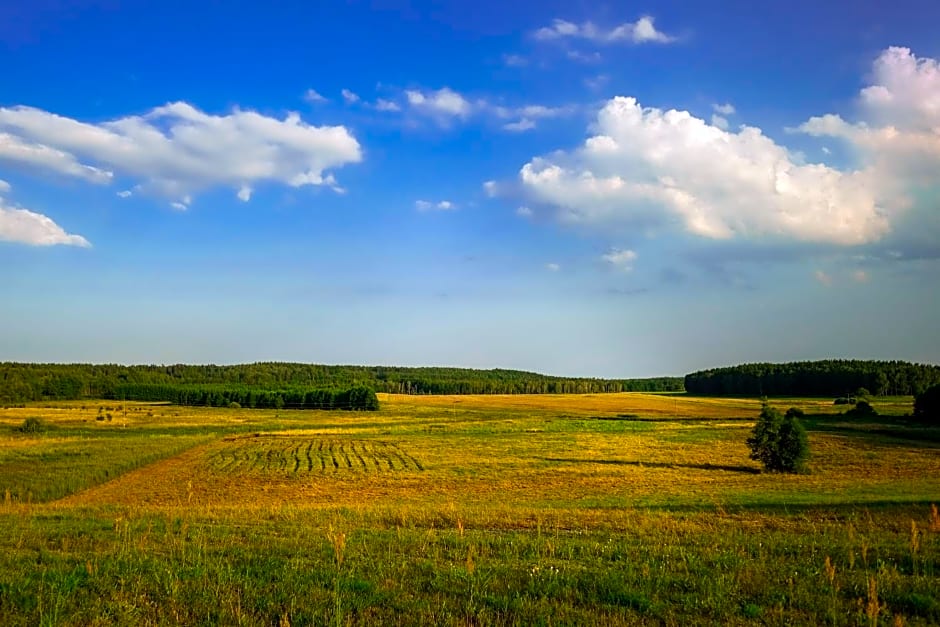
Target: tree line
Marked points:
250	384
22	382
356	398
832	377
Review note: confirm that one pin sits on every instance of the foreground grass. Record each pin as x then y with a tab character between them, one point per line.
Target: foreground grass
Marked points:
610	509
301	566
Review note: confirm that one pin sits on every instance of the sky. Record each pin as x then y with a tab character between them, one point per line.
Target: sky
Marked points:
574	188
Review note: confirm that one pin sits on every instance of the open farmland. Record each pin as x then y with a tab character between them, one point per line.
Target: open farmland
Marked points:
562	509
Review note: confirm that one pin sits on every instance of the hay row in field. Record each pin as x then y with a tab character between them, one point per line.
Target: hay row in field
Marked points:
311	455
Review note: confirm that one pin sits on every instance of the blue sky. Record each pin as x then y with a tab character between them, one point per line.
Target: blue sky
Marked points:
574	188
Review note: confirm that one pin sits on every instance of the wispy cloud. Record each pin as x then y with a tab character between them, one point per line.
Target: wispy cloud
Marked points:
640	32
520	126
441	205
620	258
387	105
823	278
313	96
515	60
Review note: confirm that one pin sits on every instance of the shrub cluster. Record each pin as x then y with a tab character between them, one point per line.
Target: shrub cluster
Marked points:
779	442
927	405
32	425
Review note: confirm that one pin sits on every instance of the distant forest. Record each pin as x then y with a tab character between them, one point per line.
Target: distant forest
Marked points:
272	384
34	382
834	377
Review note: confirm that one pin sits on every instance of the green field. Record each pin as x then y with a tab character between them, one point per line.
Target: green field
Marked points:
549	509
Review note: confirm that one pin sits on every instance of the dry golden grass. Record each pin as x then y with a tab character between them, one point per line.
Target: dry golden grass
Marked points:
650	405
598	509
523	453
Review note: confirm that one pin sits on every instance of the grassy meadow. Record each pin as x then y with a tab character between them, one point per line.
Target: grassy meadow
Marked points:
520	510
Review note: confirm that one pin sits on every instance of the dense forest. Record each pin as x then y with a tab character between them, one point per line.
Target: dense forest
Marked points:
357	398
835	377
32	382
271	384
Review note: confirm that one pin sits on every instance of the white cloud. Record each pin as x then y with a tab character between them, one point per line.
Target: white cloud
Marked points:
897	138
17	150
899	133
386	105
620	258
643	31
552	267
125	193
490	188
515	60
860	276
525	124
823	278
906	92
724	109
720	122
350	97
313	96
179	206
244	193
176	150
645	166
28	227
426	205
443	102
524	212
639	32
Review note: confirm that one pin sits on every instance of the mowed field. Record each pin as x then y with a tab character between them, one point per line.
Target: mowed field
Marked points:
548	509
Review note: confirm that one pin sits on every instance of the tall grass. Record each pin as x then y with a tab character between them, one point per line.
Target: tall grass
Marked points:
513	511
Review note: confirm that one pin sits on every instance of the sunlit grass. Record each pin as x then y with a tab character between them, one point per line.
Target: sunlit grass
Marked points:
600	509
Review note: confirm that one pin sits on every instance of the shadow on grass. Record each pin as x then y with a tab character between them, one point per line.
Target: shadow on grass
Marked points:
885	430
673	419
623	462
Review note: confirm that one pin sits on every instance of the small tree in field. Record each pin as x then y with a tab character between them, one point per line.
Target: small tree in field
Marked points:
793	443
779	442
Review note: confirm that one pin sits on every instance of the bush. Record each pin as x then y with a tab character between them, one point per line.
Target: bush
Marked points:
844	400
779	442
32	425
862	409
234	405
927	404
